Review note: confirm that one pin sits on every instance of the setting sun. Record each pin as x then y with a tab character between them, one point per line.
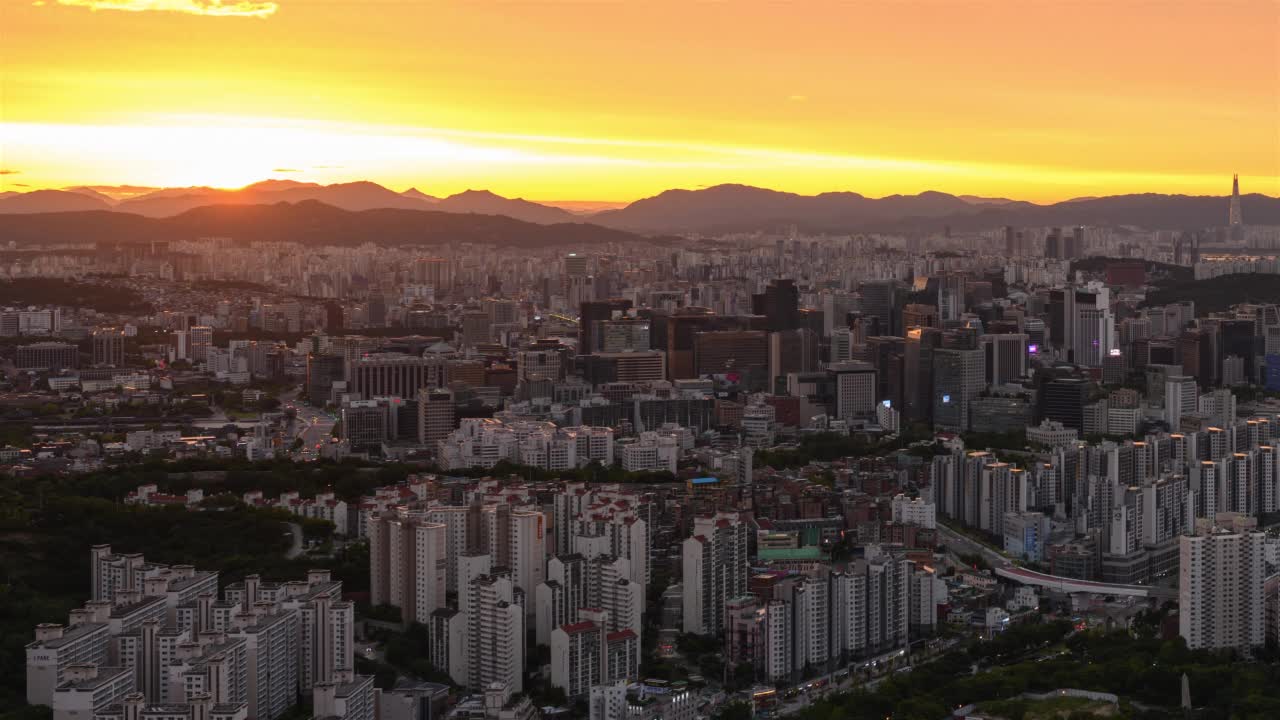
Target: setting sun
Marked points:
549	101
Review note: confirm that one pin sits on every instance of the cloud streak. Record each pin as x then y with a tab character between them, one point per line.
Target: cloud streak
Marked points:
10	172
209	8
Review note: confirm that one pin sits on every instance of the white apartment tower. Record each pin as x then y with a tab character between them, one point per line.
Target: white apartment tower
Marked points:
408	563
715	569
1220	588
495	634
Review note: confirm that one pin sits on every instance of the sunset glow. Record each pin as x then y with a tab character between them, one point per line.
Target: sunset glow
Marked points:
607	102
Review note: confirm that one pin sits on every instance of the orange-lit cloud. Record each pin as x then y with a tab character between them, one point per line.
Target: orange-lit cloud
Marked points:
212	8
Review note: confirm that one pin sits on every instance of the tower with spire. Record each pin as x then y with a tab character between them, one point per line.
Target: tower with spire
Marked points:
1234	219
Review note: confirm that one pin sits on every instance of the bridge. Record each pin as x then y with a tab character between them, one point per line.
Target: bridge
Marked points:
1072	585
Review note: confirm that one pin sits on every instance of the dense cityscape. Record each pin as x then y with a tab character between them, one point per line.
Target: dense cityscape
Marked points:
747	474
547	360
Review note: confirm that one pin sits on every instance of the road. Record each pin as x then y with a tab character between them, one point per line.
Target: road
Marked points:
886	665
296	548
958	543
313	426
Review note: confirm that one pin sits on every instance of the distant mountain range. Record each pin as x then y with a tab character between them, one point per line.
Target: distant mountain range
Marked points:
309	222
167	202
740	208
723	208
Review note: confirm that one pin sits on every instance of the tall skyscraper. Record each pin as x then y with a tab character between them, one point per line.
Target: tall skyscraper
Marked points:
780	303
1053	244
322	372
959	375
1234	218
917	372
1006	356
879	300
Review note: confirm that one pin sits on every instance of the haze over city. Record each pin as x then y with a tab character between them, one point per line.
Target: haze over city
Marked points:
911	360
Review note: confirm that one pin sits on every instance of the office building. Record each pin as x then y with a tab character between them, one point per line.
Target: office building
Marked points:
780	304
592	314
50	356
1063	399
959	375
737	352
394	375
1006	357
108	347
322	372
855	389
201	341
367	423
435	416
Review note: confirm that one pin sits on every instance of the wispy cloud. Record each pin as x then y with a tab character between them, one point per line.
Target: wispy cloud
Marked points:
211	8
285	170
10	172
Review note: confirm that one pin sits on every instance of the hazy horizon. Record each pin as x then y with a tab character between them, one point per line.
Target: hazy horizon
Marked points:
616	102
119	193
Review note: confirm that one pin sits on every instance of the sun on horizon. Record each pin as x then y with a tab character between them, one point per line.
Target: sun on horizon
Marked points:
617	102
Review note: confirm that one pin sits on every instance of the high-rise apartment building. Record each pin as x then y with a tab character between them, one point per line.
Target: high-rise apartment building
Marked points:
1221	573
407	563
495	633
435	272
714	570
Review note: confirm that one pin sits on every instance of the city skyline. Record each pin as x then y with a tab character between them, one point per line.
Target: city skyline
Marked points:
557	104
639	361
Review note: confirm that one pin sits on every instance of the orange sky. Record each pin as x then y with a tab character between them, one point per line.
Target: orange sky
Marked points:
1034	100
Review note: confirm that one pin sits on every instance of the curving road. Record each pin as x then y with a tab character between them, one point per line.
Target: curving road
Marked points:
296	548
